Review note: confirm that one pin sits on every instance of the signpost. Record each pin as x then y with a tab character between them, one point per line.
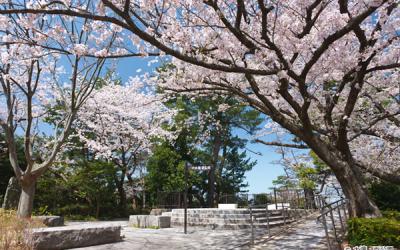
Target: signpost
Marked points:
198	168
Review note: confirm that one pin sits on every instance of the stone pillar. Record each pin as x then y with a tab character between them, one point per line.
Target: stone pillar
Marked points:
13	192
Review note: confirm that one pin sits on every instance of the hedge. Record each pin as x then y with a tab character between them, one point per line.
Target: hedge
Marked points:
374	232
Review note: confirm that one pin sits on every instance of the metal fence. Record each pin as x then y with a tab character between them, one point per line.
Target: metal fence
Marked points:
245	199
291	204
169	200
294	198
334	219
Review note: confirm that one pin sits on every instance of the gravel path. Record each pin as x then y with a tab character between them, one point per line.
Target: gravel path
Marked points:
305	235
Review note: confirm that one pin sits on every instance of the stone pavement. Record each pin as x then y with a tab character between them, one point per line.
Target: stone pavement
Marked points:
304	235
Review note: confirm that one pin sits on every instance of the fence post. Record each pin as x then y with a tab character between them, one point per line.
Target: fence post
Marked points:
326	229
333	224
252	226
340	218
267	213
185	198
284	216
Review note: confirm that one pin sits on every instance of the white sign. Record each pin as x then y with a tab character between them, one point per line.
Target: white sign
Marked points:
201	168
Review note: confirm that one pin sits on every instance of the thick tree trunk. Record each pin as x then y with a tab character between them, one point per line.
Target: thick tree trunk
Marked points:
360	204
349	177
25	206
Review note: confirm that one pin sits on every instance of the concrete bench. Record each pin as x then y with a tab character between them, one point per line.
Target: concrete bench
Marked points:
74	236
150	221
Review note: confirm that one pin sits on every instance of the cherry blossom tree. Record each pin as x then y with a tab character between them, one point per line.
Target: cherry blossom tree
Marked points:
325	71
121	123
38	82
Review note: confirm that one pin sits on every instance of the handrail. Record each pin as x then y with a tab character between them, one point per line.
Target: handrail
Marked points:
330	206
285	213
327	214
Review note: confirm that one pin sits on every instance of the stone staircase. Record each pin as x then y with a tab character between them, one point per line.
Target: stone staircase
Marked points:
231	218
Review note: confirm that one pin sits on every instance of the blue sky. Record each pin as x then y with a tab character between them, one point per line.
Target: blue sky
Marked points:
261	176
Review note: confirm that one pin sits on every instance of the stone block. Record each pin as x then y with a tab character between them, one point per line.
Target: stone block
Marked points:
51	221
150	221
13	192
74	236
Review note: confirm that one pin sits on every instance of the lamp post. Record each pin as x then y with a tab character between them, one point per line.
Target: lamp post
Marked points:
198	168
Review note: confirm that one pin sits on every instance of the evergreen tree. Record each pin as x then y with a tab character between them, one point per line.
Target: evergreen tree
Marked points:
206	129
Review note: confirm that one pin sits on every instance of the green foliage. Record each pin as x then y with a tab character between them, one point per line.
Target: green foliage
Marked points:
283	181
307	176
87	189
374	232
391	214
44	210
79	217
165	170
232	177
304	176
386	195
261	199
232	161
197	143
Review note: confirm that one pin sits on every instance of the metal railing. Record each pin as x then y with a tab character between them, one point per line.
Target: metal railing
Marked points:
334	219
292	205
295	197
288	214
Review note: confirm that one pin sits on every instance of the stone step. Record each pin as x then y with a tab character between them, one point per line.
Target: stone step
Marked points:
270	218
234	226
219	216
238	220
226	216
218	211
223	213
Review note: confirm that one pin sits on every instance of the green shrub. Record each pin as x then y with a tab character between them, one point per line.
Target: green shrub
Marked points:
78	217
391	214
374	232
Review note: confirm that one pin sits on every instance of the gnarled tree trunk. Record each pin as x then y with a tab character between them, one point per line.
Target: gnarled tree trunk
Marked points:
360	204
350	179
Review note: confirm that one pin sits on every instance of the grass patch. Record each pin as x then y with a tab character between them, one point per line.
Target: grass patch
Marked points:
15	232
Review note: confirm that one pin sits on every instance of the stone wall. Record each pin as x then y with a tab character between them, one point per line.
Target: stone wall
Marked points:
150	221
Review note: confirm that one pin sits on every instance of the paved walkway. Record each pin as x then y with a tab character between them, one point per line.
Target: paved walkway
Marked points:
306	235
